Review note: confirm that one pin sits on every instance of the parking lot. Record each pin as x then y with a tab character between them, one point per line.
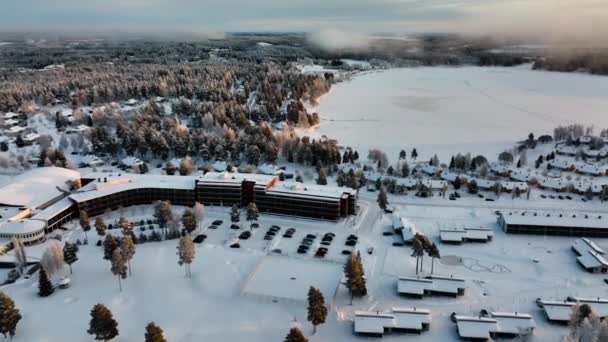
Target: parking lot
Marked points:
332	243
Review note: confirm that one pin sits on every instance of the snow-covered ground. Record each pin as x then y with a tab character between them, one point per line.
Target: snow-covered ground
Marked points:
445	110
248	293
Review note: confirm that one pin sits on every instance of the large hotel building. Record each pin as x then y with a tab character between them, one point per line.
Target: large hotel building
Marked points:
41	200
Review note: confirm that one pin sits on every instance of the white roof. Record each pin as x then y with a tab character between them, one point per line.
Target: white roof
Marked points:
520	175
499	168
498	322
583	245
417	285
91	159
449	176
17	129
37	186
372	322
567	149
309	190
131	161
10	115
21	226
591	260
109	183
268	169
592	169
553	219
434	184
455	235
53	209
514	185
476	327
558	311
599	305
407	182
31	136
561	164
429	169
235	177
552	183
219	166
11	122
483	183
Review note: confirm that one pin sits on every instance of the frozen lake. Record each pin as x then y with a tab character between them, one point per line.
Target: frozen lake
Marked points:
445	110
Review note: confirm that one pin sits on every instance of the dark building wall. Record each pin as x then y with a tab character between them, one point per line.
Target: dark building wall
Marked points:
127	198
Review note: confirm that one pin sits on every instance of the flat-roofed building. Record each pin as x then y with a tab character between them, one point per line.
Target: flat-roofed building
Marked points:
418	287
400	320
553	223
496	324
103	191
460	235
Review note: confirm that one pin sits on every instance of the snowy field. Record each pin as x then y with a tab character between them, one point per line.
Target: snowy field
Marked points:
446	110
287	278
248	293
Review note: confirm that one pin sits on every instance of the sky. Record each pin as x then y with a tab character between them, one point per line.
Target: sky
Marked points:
577	19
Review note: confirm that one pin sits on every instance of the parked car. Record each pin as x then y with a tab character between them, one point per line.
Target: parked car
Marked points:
268	237
199	238
212	227
370	250
346	252
326	243
350	243
398	244
387	233
234	226
310	236
277	251
287	235
302	251
235	245
245	235
218	222
255	225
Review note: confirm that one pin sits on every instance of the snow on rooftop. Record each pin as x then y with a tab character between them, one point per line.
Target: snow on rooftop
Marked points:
110	183
268	169
235	177
24	226
292	188
498	322
131	161
420	285
555	219
219	166
37	186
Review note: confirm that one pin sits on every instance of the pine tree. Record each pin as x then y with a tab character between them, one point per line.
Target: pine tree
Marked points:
434	254
402	154
69	254
119	266
414	154
127	248
317	311
102	323
154	333
295	335
452	164
127	227
189	220
185	253
84	223
355	276
170	169
382	198
45	287
109	245
9	316
417	251
100	226
252	212
322	179
235	215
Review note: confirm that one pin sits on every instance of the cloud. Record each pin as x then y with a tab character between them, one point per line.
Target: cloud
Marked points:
582	20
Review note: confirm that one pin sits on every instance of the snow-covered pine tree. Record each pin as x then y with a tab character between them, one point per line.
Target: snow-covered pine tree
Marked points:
102	325
235	214
317	310
109	245
127	248
189	220
295	335
9	316
69	254
185	253
382	198
100	226
84	223
119	266
45	287
252	212
154	333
